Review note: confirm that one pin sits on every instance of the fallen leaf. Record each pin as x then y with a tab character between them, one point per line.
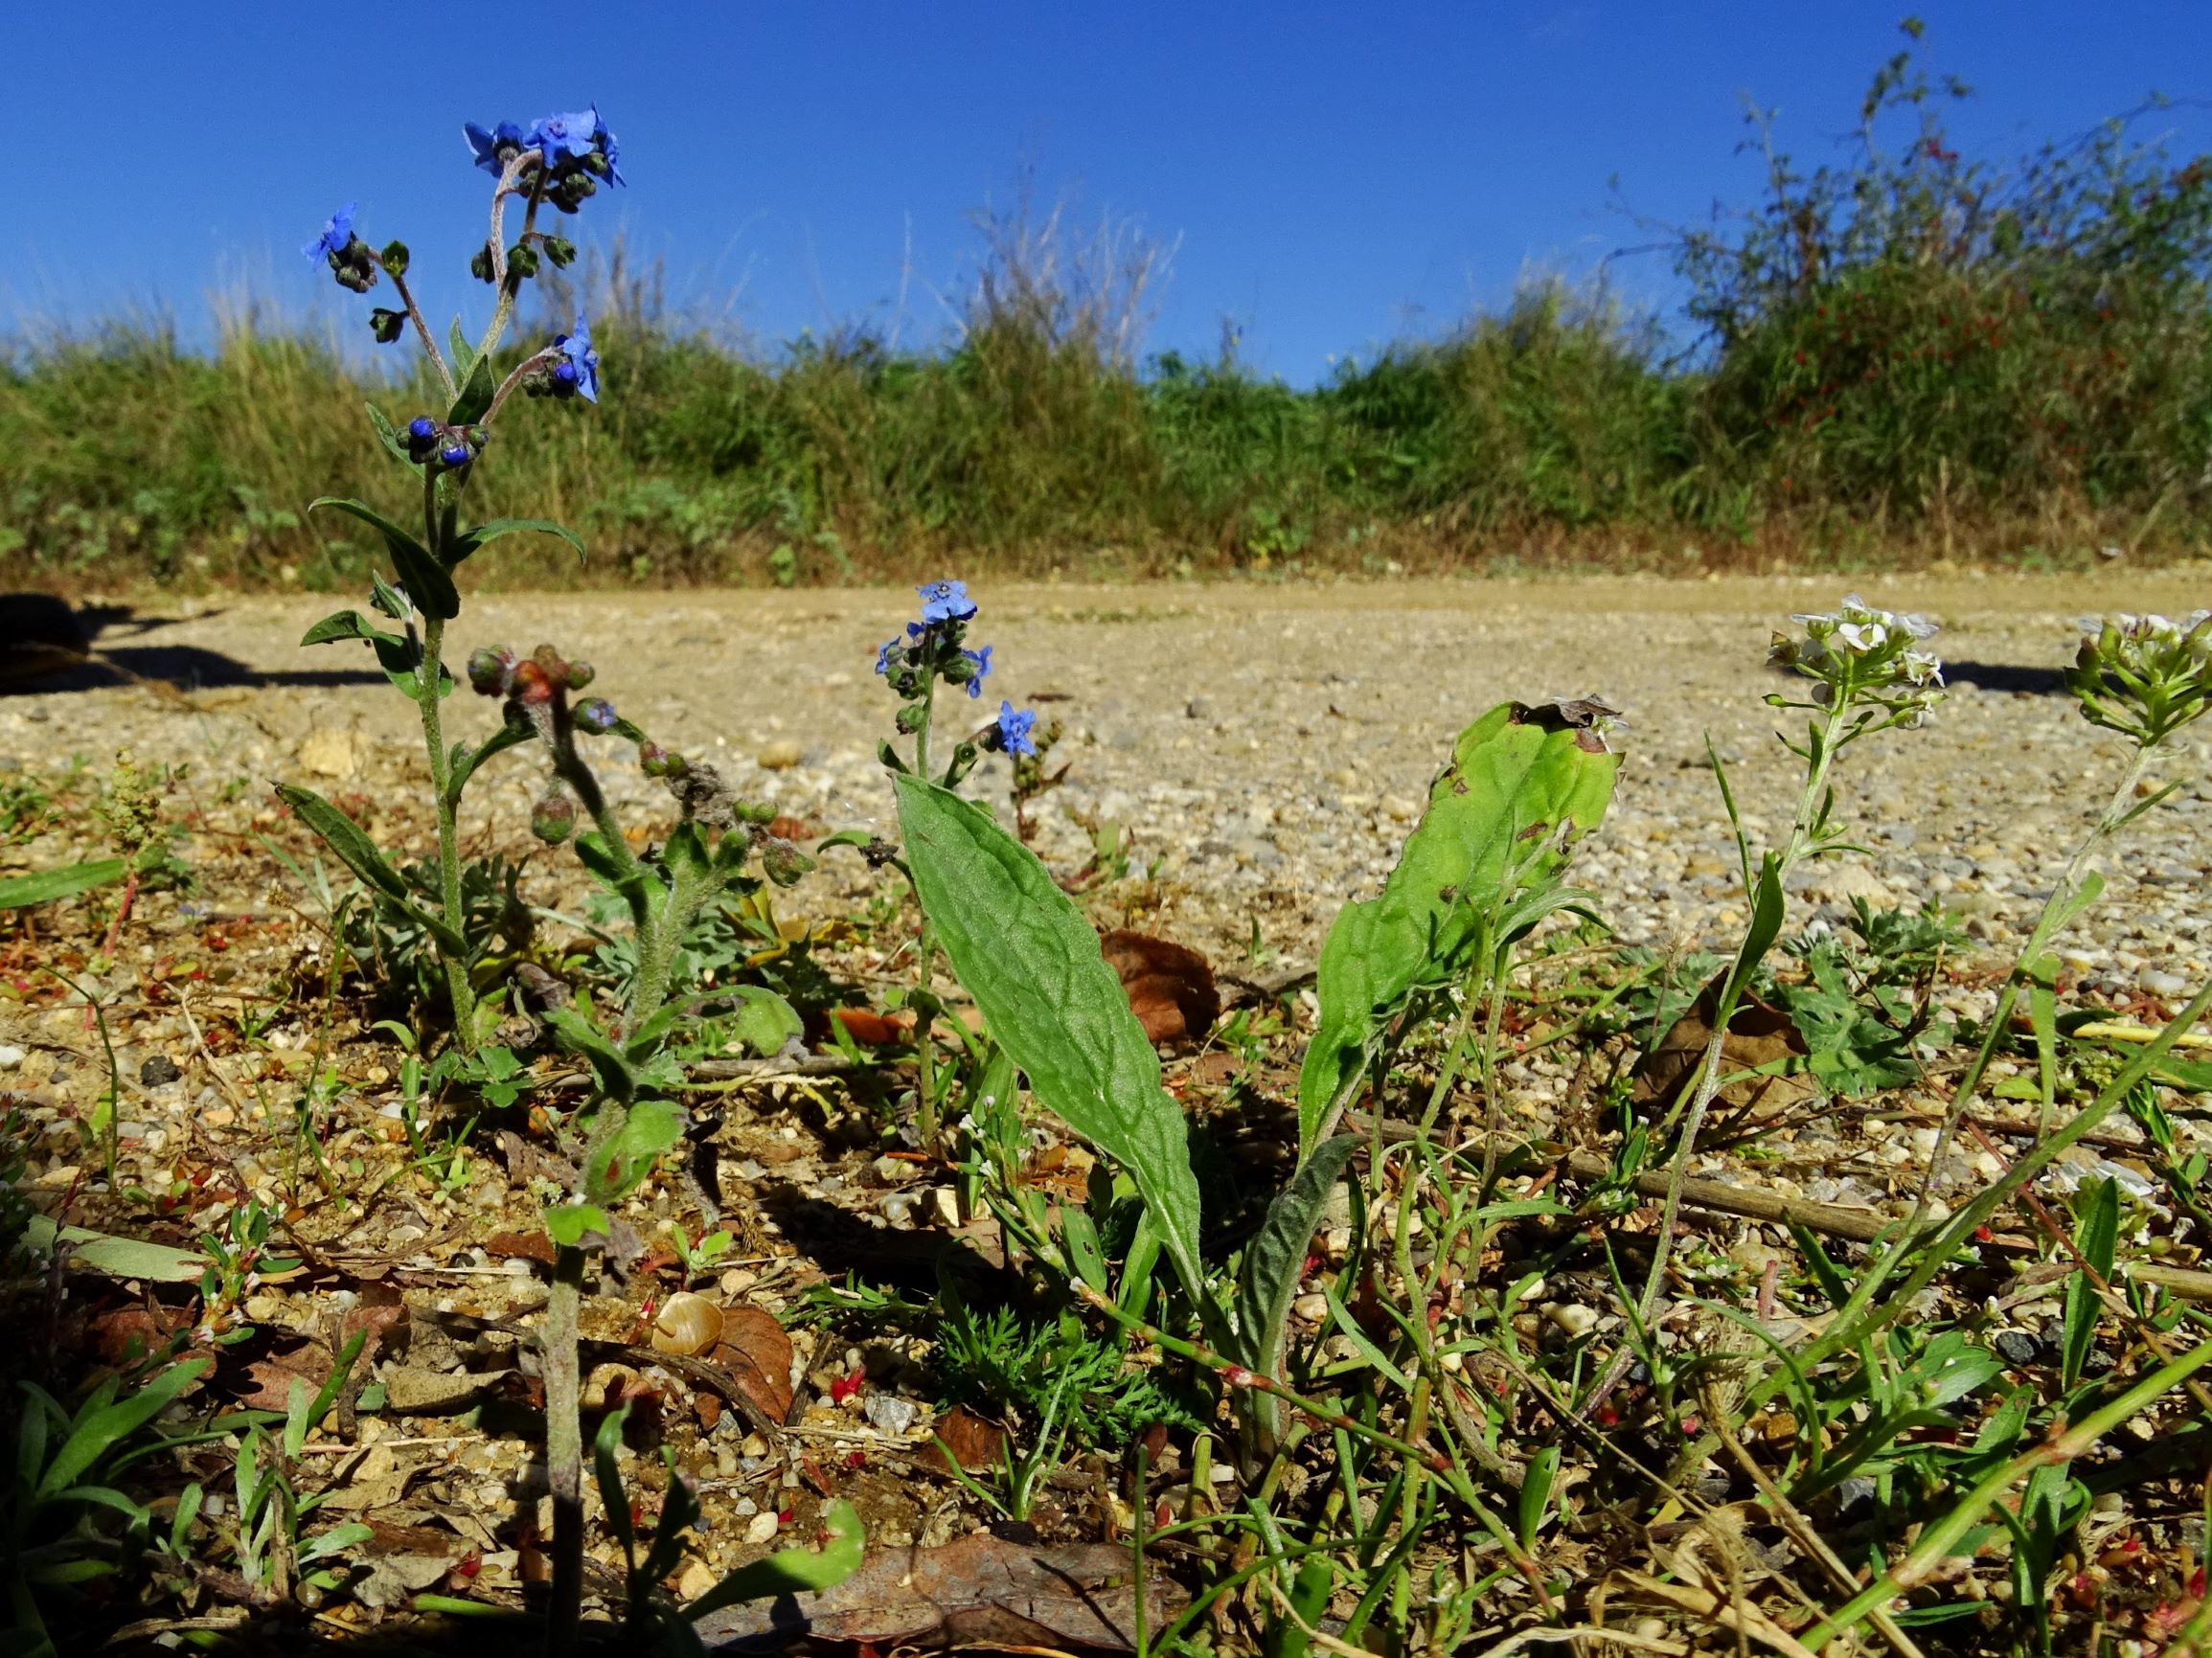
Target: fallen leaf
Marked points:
1758	1034
1171	989
272	1377
520	1245
981	1591
795	829
756	1353
871	1028
974	1442
133	1332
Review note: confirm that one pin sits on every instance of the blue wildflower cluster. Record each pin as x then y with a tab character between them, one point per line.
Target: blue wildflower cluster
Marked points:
935	650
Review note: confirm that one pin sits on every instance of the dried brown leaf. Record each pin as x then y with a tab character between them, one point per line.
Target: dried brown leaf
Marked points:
1170	988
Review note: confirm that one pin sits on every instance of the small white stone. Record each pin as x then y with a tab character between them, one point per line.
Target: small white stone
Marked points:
1572	1316
11	1056
761	1528
1312	1309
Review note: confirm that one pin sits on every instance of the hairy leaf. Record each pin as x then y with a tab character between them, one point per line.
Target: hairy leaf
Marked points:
358	852
425	579
1276	1256
1518	785
44	886
1033	963
476	540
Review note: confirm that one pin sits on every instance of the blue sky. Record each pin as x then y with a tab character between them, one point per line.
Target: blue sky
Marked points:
1328	176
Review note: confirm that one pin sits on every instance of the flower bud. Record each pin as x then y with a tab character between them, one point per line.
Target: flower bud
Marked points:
532	685
580	674
395	258
596	714
523	259
480	264
387	324
455	456
492	671
422	438
655	760
552	819
782	862
560	251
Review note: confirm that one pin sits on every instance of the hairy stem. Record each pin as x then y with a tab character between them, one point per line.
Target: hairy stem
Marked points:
925	1078
564	1451
427	677
423	330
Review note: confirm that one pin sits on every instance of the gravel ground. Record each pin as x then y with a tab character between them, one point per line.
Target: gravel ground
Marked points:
1269	747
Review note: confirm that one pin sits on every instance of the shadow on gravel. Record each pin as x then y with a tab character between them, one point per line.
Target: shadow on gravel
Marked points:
2025	681
46	646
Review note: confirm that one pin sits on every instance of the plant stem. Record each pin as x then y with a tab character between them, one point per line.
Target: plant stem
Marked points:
508	283
925	1079
1710	1070
422	330
429	676
565	1450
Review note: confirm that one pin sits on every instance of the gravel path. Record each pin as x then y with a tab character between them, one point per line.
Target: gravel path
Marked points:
1266	746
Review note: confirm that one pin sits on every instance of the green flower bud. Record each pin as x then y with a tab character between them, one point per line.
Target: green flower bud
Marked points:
522	261
782	862
552	819
387	324
580	674
480	265
560	251
492	671
395	258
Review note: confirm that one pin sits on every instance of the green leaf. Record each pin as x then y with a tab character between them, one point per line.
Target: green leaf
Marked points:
121	1257
477	390
298	1422
358	852
2096	1234
626	1157
476	540
585	1039
765	1022
1267	1281
44	886
1033	963
568	1225
1536	1489
338	624
389	435
1079	1238
337	1537
1493	830
467	760
464	353
604	1446
791	1571
98	1431
425	579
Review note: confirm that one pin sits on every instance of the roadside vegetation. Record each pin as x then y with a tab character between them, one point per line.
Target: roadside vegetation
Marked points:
1898	353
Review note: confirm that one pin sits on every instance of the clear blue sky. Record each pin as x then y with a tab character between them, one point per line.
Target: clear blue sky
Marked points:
1332	176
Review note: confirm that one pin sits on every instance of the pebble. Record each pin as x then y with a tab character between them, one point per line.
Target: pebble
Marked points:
780	756
1312	1308
890	1414
1571	1316
329	751
11	1056
760	1528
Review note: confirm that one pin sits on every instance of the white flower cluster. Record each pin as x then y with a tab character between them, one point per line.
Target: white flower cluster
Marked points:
1865	652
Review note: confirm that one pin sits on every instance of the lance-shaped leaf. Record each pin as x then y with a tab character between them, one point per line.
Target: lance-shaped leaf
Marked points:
585	1039
358	852
476	540
1275	1258
792	1571
425	579
1520	782
44	886
389	436
477	390
1033	963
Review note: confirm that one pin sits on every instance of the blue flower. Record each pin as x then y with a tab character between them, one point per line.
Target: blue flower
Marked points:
456	454
1014	727
980	657
495	148
884	656
566	140
337	236
945	602
578	370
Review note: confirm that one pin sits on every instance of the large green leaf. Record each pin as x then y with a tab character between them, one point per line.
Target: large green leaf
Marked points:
1496	824
585	1039
476	540
1033	963
425	579
1274	1260
358	852
44	886
477	390
395	654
